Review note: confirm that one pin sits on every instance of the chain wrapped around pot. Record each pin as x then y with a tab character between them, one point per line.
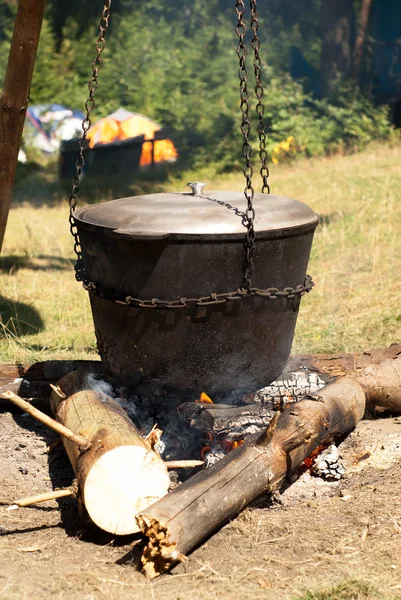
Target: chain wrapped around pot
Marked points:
238	291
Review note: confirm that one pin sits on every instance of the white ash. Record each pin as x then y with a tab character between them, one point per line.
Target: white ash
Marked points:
291	387
217	452
328	464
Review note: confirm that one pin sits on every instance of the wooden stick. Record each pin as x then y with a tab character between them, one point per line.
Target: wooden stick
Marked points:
187	516
183	464
81	441
15	96
120	475
39	498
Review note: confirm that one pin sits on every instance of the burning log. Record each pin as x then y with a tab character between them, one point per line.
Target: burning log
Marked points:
182	520
119	475
225	419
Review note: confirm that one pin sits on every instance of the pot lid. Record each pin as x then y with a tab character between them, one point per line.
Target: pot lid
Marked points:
185	215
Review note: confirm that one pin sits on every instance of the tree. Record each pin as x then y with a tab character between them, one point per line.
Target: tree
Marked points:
336	24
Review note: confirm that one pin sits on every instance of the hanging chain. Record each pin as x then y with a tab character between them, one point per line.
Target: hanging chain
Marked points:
86	124
247	217
260	109
246	146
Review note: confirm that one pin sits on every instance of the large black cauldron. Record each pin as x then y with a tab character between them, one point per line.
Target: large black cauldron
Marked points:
170	246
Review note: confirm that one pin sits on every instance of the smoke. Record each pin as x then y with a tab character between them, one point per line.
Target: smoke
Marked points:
99	385
178	440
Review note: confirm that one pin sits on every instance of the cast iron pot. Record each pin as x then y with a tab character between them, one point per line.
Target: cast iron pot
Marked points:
175	245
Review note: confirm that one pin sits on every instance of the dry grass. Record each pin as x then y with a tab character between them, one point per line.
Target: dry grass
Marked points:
355	262
348	590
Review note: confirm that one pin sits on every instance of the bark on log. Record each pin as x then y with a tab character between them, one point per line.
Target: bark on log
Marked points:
225	419
377	371
192	512
120	474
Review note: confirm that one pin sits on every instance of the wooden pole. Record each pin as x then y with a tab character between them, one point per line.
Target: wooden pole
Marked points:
15	97
39	498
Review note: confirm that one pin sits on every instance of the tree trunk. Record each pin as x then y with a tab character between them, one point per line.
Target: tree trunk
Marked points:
336	18
360	38
15	97
119	475
192	512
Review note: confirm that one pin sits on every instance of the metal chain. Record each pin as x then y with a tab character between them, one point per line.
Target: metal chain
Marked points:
86	124
247	217
246	147
260	109
272	293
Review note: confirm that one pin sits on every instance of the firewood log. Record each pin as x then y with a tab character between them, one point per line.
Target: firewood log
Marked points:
377	371
32	381
225	419
187	516
119	475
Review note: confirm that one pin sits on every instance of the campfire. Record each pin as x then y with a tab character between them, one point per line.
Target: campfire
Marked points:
177	471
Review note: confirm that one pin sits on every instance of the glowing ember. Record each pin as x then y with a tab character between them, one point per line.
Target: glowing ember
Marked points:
309	461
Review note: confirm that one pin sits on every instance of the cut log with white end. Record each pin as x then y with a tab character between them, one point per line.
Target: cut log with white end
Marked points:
119	475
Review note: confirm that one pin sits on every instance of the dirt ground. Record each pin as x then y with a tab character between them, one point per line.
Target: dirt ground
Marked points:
321	535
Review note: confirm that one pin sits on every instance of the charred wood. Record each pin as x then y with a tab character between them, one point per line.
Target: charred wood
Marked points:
232	422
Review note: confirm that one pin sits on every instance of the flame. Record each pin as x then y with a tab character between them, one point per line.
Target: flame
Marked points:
237	444
204	451
226	445
204	399
309	460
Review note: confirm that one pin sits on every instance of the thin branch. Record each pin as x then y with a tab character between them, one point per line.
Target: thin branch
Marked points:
80	440
29	500
183	464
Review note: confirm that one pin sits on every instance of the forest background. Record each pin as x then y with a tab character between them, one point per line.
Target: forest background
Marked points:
176	63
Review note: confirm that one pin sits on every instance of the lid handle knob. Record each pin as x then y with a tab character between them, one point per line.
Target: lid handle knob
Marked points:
196	187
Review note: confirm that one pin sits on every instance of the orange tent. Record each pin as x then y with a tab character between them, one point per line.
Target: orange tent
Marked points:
123	125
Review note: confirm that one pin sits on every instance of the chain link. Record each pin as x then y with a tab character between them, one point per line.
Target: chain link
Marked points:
247	217
246	146
272	293
260	109
86	124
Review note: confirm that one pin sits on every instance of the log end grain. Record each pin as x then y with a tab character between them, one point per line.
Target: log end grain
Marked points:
135	478
160	554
